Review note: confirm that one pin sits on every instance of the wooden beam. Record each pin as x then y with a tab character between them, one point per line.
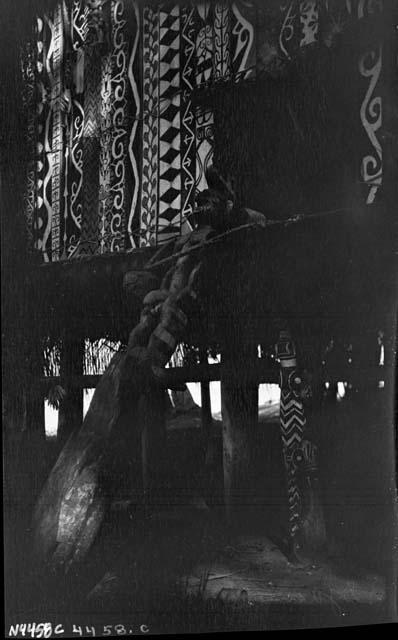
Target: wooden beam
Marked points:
260	371
173	376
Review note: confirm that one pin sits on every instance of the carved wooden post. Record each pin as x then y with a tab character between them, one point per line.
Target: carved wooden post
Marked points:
300	456
292	423
240	416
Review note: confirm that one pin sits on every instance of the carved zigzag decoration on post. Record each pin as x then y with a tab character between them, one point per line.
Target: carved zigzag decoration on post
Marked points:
292	424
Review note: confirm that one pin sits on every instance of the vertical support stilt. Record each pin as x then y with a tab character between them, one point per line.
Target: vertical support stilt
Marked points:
240	417
206	410
70	414
33	418
153	441
206	416
35	441
388	436
209	444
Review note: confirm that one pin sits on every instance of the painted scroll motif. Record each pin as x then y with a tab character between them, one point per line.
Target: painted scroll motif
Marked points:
119	127
370	65
135	131
75	170
300	26
288	30
243	41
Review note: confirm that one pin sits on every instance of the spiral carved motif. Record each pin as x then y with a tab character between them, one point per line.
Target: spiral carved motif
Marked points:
370	65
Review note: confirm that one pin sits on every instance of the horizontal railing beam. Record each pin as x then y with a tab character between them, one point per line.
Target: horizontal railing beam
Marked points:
260	371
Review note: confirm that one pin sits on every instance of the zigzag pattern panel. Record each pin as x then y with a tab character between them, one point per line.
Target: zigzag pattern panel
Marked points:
150	127
292	420
169	124
292	423
188	141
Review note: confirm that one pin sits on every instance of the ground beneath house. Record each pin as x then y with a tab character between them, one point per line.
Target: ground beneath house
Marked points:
176	566
183	569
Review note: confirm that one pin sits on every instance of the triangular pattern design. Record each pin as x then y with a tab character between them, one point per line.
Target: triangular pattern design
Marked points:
169	120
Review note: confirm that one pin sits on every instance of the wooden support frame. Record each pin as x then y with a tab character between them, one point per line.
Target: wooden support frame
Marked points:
70	414
239	406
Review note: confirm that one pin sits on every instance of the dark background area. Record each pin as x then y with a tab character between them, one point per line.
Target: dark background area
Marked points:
333	276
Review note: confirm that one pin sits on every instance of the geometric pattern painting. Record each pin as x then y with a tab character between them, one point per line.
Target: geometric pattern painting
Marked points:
119	142
185	48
